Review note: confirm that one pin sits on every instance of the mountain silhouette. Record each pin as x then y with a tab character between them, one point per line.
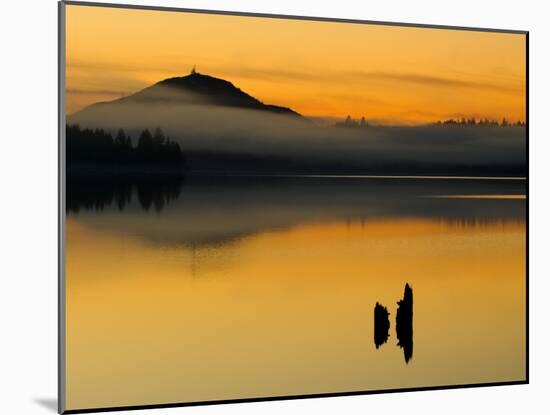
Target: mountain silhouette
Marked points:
193	89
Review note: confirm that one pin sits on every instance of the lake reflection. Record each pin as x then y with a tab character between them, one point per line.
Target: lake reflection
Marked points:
211	288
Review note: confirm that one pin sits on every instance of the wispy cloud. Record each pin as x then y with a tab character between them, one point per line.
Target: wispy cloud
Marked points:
436	81
281	75
272	74
107	92
347	76
121	67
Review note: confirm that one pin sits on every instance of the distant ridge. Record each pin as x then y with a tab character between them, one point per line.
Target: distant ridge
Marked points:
194	89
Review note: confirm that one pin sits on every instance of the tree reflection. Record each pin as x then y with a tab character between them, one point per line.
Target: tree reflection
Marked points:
99	193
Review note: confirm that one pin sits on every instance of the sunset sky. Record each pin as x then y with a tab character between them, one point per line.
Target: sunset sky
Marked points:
324	69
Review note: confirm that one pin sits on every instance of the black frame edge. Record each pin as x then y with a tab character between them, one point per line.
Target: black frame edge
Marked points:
290	17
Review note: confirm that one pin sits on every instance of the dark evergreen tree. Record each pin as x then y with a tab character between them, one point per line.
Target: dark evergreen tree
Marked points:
158	137
86	146
144	148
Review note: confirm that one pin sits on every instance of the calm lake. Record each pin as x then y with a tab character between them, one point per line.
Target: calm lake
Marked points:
227	288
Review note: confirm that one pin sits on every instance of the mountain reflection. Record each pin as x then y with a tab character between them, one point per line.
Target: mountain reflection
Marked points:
404	323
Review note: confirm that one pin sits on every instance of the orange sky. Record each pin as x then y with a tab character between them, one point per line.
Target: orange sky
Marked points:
385	73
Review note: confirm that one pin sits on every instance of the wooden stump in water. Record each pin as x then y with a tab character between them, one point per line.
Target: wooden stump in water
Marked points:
381	325
404	323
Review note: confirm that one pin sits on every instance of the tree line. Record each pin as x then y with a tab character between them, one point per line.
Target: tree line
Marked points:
85	145
351	123
483	122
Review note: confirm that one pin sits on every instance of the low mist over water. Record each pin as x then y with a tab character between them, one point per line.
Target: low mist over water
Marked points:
210	116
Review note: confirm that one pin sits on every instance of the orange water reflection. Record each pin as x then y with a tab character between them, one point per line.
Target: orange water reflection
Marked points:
289	311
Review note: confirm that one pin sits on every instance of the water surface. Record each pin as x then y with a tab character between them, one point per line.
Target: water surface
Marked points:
208	289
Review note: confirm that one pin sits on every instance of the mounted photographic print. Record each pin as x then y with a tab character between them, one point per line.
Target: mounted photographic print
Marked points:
260	207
